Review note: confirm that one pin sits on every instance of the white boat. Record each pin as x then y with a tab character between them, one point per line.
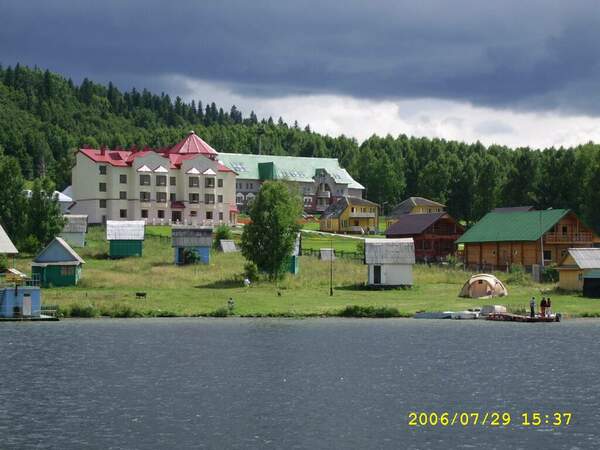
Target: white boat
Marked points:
434	315
466	315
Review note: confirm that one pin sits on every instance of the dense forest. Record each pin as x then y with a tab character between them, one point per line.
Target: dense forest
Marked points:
44	118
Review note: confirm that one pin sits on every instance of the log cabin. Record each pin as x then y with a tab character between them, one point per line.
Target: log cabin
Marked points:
434	234
502	239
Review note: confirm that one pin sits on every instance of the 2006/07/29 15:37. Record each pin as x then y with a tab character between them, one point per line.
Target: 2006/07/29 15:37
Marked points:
492	419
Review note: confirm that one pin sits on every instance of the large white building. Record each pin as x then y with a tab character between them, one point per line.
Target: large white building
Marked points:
182	184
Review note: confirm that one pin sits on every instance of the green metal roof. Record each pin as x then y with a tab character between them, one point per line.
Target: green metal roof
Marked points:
512	226
290	168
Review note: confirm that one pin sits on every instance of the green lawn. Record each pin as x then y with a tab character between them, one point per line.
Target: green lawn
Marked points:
108	287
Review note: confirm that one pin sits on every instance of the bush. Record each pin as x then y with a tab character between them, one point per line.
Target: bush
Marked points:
3	262
516	274
550	275
370	311
190	256
251	271
31	244
222	232
77	310
219	312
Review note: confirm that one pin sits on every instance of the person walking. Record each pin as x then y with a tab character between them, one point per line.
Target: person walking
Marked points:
543	307
532	307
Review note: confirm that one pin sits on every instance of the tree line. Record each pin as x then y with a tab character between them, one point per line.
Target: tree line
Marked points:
46	118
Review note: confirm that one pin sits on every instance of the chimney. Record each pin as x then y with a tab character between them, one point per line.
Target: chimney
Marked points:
103	150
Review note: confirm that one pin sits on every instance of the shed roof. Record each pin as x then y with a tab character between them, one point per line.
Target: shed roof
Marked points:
414	223
586	258
191	236
125	230
407	205
513	208
75	223
512	226
336	209
291	168
6	245
57	252
390	251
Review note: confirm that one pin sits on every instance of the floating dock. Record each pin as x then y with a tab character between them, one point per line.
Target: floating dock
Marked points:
508	317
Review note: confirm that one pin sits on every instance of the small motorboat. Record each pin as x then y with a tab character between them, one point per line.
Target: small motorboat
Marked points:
433	315
469	314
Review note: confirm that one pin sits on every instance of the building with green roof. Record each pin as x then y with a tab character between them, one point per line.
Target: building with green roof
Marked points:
509	237
321	181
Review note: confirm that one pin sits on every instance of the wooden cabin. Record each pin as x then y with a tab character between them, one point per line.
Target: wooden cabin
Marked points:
351	215
417	205
434	234
580	271
502	239
57	265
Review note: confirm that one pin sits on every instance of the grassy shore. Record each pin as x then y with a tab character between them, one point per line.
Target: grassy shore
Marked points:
108	288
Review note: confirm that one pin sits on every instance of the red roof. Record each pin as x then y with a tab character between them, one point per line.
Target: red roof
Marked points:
192	144
188	148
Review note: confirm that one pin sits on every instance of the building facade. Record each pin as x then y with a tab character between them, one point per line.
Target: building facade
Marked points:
319	181
351	215
182	184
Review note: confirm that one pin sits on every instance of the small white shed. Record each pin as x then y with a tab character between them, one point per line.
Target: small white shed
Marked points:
75	229
390	261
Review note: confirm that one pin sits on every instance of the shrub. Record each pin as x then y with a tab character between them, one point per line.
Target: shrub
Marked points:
219	312
31	244
550	275
77	310
370	311
516	274
222	232
3	262
190	256
251	271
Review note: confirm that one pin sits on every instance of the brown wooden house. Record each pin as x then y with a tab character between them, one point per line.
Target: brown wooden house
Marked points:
434	234
502	239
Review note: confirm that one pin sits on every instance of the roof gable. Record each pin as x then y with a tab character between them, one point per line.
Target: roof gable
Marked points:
336	209
6	245
512	226
585	258
406	206
414	223
58	251
193	144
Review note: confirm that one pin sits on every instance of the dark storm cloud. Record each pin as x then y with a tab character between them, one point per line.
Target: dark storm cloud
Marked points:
518	54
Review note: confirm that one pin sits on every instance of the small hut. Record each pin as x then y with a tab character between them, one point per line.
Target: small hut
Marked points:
6	245
126	238
75	229
191	239
483	285
580	271
57	264
390	261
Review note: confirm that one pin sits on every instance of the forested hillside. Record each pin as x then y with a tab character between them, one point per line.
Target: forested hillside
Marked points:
44	118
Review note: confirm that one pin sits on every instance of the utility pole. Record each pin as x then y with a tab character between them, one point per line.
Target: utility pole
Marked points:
331	268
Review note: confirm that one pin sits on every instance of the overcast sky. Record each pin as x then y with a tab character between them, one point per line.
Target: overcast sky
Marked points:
513	72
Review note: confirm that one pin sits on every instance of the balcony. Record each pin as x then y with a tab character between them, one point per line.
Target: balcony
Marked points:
567	238
324	194
362	215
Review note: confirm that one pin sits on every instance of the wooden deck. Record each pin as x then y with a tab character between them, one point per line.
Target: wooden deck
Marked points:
508	317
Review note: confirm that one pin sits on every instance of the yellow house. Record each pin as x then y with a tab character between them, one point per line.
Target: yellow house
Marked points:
351	215
578	266
417	205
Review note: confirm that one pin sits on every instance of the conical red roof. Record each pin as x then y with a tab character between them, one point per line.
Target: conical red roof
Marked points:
192	144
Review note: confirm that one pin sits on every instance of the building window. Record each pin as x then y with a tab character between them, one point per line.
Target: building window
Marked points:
102	170
173	181
208	215
160	214
220	216
102	187
220	182
123	178
144	196
194	182
219	199
209	199
239	198
161	180
161	197
209	182
193	213
352	210
144	180
172	197
102	203
123	213
194	198
547	255
67	271
144	213
123	195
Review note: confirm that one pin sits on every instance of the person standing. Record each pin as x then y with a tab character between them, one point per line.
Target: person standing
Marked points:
548	306
543	307
532	307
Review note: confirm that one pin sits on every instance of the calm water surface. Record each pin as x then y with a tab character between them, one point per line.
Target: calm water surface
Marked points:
309	384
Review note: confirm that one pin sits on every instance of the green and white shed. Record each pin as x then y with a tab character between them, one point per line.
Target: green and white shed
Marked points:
126	238
57	265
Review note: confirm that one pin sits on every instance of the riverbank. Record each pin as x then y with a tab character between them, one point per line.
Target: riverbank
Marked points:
108	288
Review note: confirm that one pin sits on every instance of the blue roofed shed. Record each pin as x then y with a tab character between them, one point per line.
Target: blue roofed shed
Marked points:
57	265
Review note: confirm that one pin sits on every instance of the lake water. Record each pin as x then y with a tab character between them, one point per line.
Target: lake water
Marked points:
306	384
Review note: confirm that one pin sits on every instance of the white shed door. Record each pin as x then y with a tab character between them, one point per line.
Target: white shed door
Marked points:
26	306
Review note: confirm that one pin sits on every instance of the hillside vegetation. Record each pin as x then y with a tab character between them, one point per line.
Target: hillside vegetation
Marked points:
46	117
